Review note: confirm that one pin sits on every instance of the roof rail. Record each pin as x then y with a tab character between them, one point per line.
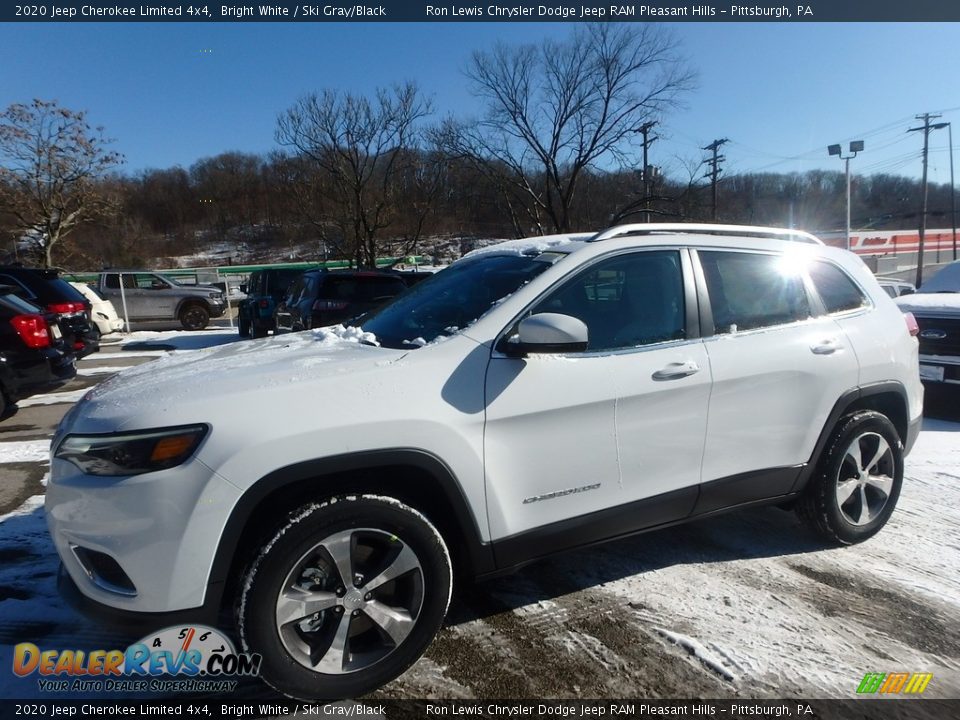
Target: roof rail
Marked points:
706	229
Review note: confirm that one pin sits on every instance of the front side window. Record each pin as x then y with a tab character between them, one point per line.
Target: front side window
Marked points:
625	301
753	290
838	292
150	282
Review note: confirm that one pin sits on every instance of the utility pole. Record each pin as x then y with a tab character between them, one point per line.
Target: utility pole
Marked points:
953	194
714	173
647	170
926	117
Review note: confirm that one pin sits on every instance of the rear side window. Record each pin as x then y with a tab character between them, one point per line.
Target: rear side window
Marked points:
751	290
19	304
383	287
838	292
18	287
339	287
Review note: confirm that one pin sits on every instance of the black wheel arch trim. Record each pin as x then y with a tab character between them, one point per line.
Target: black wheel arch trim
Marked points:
184	302
843	405
479	553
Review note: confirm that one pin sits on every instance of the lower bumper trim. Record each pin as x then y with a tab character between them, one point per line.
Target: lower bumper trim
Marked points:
143	622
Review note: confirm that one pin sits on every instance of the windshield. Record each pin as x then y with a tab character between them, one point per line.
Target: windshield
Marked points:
452	299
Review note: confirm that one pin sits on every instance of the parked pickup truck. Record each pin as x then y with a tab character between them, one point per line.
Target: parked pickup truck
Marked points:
140	295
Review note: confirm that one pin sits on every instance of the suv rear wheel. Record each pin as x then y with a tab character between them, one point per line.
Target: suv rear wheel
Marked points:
857	482
345	597
194	317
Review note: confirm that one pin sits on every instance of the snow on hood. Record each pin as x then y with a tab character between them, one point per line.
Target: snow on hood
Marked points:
188	376
947	302
529	245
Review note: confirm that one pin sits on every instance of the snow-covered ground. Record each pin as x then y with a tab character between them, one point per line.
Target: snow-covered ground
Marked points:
742	605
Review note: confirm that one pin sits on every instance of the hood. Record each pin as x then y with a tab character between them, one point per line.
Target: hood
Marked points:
200	289
199	383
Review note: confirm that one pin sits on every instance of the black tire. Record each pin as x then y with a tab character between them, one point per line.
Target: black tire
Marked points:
865	509
258	331
243	327
194	316
300	655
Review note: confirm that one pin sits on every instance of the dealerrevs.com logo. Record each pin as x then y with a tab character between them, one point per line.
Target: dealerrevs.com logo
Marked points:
204	656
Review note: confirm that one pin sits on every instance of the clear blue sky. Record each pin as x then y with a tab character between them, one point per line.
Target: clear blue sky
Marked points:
780	92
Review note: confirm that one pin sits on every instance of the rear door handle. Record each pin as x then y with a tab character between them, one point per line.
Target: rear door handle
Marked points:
827	346
677	370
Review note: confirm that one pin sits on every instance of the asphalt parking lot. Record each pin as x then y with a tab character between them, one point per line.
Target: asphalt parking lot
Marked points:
746	605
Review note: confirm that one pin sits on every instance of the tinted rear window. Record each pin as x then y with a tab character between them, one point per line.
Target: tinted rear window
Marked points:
62	290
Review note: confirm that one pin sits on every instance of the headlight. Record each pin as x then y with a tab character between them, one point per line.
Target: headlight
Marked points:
216	296
131	453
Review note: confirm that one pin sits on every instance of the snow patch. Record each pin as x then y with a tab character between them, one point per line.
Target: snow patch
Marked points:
25	451
697	650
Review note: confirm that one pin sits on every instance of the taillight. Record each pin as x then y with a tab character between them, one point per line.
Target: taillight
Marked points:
911	324
329	305
32	329
66	308
264	303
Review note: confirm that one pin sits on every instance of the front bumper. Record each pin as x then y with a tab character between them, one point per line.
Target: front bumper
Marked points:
158	532
217	308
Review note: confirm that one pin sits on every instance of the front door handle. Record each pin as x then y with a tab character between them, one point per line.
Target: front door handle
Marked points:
827	346
677	370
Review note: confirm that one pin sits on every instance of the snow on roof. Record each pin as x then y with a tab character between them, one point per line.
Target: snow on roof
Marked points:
948	302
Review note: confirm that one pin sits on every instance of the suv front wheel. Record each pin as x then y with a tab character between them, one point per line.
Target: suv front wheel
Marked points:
345	597
194	317
857	481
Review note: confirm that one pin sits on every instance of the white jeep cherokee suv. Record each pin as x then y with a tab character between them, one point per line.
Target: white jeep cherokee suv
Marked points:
534	397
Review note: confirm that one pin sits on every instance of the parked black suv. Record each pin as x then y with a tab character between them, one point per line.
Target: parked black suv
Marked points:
264	290
320	297
48	290
33	353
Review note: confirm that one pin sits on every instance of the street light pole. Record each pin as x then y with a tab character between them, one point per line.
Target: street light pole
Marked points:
855	147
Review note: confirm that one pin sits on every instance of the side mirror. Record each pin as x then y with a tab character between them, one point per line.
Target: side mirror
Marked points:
547	333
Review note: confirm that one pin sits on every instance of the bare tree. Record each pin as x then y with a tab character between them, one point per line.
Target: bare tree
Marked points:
50	164
361	146
558	108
